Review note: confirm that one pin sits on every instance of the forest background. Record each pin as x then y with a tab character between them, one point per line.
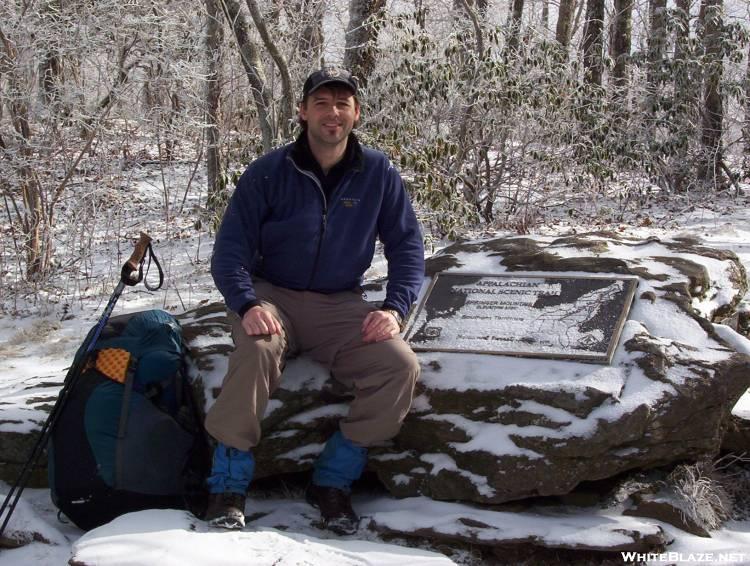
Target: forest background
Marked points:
124	115
495	112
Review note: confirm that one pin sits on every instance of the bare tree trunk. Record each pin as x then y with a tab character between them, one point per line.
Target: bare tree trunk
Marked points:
477	26
681	170
621	43
123	72
420	13
306	18
285	123
514	30
746	125
656	47
167	118
681	52
33	215
250	55
312	31
468	111
361	37
545	15
464	166
713	106
577	22
593	42
50	69
564	22
214	37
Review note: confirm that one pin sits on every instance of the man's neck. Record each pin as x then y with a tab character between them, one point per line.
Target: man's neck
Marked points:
327	155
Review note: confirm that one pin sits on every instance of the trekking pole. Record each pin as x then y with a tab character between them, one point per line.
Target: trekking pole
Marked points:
129	277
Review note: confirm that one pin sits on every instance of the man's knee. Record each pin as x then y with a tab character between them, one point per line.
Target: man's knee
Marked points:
402	361
263	349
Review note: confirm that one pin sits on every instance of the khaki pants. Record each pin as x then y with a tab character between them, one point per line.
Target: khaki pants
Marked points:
326	328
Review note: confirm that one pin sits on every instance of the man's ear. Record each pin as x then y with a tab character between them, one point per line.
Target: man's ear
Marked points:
302	111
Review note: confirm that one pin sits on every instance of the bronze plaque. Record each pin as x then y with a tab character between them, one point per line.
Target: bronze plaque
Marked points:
550	316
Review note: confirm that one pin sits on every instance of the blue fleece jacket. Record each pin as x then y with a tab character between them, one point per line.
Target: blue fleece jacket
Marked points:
280	226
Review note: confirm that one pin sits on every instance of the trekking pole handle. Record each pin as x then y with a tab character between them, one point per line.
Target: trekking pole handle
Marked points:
139	251
134	263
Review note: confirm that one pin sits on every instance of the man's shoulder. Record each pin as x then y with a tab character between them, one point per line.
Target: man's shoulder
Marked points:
376	158
270	160
370	153
262	168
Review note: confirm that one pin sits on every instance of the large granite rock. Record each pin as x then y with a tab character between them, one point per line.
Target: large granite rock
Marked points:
490	429
23	410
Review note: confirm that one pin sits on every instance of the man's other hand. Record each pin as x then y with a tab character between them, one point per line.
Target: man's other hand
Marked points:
379	326
259	321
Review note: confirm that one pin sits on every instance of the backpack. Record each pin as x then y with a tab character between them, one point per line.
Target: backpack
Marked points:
129	436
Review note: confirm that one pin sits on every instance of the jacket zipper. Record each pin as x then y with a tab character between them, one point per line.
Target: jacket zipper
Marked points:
323	221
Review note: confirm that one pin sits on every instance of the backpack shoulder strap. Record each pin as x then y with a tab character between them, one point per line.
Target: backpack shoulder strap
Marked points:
123	425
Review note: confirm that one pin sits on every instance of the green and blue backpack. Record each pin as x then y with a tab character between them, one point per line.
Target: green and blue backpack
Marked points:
129	436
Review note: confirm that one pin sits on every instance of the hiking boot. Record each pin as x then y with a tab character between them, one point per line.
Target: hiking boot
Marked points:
226	510
335	507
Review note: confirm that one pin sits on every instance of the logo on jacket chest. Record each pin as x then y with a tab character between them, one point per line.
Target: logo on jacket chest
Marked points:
348	202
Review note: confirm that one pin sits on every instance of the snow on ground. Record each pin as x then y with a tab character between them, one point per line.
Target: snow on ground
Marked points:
168	537
284	531
40	331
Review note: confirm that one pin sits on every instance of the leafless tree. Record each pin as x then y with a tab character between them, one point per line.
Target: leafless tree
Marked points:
307	16
713	104
746	125
621	42
514	25
361	37
286	110
565	22
214	38
593	42
657	13
250	56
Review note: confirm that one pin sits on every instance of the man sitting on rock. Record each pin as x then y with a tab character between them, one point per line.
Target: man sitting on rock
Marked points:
296	238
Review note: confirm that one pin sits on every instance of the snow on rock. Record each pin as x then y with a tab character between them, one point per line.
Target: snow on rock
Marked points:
540	427
737	437
668	506
25	526
491	429
552	527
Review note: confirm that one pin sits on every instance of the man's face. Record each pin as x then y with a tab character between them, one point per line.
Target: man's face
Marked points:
330	114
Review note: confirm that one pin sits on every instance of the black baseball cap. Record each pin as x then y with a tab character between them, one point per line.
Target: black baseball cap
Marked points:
327	76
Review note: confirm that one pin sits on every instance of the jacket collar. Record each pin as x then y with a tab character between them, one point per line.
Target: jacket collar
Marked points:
303	158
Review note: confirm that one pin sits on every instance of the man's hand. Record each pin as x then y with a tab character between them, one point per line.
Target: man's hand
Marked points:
259	321
379	326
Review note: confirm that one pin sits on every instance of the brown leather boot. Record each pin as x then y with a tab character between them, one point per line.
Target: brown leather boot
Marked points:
335	507
226	510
